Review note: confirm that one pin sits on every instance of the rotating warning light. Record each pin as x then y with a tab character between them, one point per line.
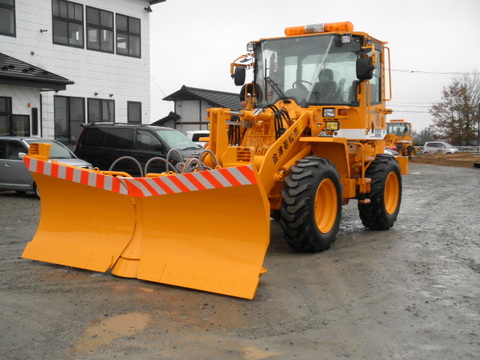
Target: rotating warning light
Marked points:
319	28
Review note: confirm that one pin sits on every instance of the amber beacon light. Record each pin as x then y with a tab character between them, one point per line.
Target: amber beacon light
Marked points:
319	28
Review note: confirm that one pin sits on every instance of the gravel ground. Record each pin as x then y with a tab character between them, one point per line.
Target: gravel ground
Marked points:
412	292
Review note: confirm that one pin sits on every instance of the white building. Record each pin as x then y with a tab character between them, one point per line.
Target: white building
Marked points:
98	51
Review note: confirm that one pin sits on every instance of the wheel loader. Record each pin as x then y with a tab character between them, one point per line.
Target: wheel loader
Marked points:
309	140
399	137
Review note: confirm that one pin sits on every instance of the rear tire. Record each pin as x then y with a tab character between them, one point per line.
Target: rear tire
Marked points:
311	209
385	195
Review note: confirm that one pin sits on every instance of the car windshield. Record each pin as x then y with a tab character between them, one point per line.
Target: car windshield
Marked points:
176	140
312	70
57	150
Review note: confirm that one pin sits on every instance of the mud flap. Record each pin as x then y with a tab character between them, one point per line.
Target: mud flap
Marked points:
207	231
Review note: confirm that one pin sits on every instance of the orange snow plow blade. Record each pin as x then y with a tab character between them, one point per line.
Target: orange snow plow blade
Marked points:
206	230
80	226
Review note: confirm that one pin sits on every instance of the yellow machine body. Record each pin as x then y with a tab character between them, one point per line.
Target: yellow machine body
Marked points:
292	153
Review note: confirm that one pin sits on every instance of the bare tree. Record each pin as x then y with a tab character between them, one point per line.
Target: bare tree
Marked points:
456	116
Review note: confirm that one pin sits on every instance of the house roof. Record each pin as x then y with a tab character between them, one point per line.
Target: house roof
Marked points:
171	117
215	98
153	2
19	73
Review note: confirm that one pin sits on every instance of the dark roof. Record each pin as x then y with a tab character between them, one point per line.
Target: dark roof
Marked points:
153	2
173	117
215	98
19	73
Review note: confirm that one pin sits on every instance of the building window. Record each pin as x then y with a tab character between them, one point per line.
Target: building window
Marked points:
99	30
67	23
134	112
5	115
7	17
128	36
69	115
20	125
101	110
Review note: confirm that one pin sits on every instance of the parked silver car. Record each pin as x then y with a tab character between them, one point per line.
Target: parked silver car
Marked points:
438	147
13	172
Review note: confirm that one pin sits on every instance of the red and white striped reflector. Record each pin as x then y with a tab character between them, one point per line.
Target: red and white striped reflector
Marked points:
143	187
81	176
203	180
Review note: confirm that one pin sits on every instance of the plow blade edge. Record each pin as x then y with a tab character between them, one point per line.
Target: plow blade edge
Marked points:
207	230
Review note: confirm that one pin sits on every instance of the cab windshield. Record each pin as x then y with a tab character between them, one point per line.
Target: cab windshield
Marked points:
399	129
312	70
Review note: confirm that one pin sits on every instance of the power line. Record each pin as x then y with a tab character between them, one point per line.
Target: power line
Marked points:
411	111
410	105
432	72
155	81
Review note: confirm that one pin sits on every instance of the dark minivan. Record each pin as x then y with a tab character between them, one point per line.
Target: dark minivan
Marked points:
103	143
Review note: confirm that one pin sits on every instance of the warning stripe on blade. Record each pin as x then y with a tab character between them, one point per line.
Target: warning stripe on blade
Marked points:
74	174
203	180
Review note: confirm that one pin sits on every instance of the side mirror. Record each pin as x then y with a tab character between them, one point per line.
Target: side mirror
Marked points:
365	68
239	75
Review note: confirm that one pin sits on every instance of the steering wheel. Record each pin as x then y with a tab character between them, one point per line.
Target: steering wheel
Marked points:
298	84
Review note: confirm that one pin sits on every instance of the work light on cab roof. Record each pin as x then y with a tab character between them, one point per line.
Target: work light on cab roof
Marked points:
345	26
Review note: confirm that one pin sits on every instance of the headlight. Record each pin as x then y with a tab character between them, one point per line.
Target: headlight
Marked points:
332	125
329	112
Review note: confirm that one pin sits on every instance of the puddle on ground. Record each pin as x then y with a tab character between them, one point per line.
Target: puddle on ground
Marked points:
252	353
102	333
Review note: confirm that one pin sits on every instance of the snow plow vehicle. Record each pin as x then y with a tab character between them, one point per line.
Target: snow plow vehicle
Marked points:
309	139
399	137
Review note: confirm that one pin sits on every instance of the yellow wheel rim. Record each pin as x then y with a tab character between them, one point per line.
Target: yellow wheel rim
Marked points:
326	205
392	194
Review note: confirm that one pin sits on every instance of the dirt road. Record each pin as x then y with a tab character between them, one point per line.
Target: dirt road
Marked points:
409	293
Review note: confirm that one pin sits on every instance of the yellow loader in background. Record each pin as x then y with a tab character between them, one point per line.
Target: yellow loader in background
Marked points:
309	139
399	137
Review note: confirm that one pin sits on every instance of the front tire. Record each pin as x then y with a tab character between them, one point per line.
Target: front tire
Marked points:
312	205
385	194
411	152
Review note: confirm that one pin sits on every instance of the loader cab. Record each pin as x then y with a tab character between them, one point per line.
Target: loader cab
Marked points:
399	128
341	69
313	70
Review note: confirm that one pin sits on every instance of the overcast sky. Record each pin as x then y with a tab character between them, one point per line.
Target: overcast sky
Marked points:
193	43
